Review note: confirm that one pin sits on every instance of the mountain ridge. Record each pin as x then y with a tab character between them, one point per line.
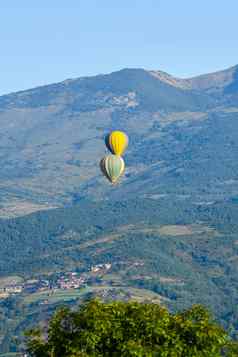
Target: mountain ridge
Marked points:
153	71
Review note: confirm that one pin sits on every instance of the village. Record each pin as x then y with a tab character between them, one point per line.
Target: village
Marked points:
64	280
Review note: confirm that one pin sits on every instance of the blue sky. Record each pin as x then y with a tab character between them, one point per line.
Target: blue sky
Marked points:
48	41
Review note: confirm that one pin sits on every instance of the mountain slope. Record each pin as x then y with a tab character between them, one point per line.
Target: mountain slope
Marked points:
209	83
52	137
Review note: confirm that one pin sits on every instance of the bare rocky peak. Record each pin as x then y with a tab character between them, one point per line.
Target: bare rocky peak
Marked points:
213	81
173	81
210	82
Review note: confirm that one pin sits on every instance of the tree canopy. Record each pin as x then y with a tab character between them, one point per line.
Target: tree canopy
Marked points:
131	329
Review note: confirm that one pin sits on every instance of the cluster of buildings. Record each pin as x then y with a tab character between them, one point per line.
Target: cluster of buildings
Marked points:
69	280
11	289
29	286
72	281
101	268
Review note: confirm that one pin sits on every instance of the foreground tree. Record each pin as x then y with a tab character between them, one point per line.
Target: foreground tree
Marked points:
131	329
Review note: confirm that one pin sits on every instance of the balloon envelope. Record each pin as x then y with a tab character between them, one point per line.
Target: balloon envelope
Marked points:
118	142
112	167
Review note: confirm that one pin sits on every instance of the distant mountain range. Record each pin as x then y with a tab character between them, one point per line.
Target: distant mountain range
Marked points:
170	225
52	138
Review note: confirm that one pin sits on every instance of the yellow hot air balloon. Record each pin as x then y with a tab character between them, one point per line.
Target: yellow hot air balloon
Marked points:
118	142
112	167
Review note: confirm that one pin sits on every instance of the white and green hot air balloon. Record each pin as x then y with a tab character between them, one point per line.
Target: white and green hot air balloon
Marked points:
112	167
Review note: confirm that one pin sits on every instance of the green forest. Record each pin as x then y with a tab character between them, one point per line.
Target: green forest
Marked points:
131	329
172	252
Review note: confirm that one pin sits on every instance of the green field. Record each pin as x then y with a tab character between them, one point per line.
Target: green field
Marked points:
10	280
60	295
